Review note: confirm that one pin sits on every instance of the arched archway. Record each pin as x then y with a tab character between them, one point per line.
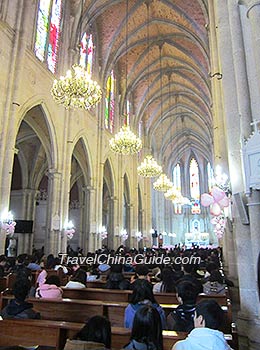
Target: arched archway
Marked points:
29	186
79	199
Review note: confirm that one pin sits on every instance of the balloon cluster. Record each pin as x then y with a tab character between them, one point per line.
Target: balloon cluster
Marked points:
9	227
103	235
69	232
219	223
217	201
139	236
124	235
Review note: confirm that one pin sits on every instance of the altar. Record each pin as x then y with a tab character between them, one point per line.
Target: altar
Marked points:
196	238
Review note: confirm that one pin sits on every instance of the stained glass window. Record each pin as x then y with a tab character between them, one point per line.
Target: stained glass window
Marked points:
48	32
86	52
127	113
210	176
110	102
177	183
194	186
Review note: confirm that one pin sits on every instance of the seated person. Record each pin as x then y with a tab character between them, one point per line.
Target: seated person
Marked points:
18	308
215	284
116	279
181	319
205	336
96	334
33	264
3	260
147	330
168	282
78	280
50	289
142	295
141	272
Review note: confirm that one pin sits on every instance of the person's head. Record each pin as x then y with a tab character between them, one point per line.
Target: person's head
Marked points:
141	270
147	327
168	279
21	288
187	292
50	261
3	260
215	276
142	290
117	268
208	314
54	279
80	276
97	329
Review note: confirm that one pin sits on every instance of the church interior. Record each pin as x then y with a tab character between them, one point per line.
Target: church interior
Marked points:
159	148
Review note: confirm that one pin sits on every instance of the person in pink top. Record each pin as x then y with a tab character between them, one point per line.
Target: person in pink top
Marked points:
50	289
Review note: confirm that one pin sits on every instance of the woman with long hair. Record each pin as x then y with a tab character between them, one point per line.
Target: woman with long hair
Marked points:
142	295
147	330
96	334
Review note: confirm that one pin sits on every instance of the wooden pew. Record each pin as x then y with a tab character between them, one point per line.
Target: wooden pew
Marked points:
97	294
53	334
125	295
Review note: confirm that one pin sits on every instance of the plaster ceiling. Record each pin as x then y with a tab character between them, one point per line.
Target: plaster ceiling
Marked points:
160	51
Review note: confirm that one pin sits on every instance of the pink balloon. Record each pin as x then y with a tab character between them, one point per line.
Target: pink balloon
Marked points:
224	202
218	194
215	209
206	199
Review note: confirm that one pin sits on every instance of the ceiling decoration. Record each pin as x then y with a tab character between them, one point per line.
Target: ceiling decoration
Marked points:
182	26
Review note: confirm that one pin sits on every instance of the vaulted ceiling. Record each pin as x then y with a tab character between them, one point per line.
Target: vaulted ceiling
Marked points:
160	51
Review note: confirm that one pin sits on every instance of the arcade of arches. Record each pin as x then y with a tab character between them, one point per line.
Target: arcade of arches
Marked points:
186	75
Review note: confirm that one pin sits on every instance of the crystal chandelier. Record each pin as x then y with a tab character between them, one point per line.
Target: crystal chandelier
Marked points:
76	89
172	194
163	184
149	167
125	142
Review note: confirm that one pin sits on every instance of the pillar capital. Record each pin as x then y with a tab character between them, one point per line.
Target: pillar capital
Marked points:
53	173
250	4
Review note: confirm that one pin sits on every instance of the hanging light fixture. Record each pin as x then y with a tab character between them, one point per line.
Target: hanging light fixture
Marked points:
125	141
149	167
76	89
163	183
172	194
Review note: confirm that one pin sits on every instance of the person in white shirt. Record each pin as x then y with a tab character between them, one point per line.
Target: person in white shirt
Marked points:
205	336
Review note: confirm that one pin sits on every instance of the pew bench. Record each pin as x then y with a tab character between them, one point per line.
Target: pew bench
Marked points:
53	334
78	310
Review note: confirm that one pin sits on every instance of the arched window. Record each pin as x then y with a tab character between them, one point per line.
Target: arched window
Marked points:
210	176
127	113
176	179
110	102
194	186
48	30
86	52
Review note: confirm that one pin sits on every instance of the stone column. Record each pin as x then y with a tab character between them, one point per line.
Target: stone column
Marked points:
93	239
54	211
27	200
232	66
84	222
253	14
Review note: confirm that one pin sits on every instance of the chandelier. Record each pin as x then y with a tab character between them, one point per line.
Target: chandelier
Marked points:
76	89
163	184
125	142
149	167
173	194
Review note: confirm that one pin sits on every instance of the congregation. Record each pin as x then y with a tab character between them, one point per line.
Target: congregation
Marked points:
149	302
